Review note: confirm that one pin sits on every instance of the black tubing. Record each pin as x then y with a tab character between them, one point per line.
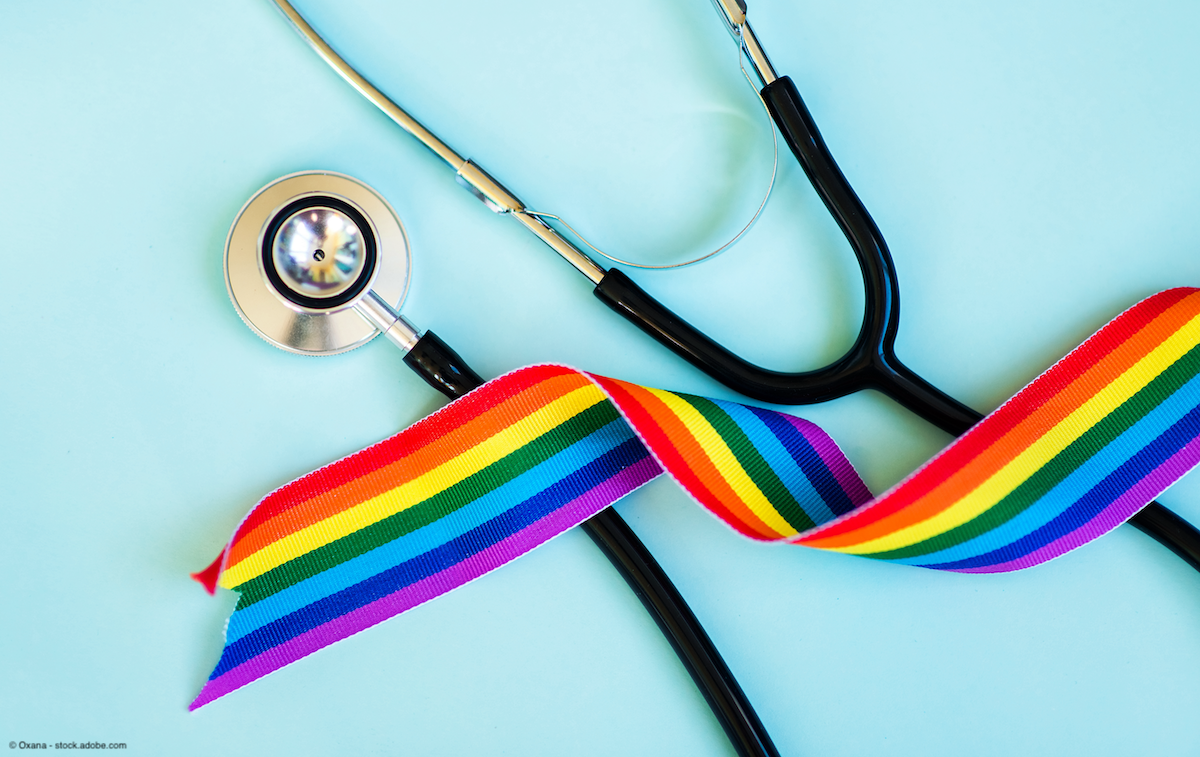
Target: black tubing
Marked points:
677	622
621	294
871	362
1169	530
441	367
444	370
858	369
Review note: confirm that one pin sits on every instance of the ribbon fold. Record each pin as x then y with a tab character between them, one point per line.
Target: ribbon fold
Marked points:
535	452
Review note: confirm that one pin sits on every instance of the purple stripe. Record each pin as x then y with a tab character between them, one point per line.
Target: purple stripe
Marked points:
566	517
833	457
1121	510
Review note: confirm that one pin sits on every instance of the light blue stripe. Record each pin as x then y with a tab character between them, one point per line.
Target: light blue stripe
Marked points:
1077	484
780	460
433	535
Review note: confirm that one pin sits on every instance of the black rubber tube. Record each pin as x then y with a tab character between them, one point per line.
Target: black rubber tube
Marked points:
441	367
444	370
886	372
871	362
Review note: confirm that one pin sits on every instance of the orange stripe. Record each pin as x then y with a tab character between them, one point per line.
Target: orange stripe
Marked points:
698	463
1003	420
1028	431
404	469
391	448
655	439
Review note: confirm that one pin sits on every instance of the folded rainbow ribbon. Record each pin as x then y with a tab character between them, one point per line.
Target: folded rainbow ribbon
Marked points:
538	451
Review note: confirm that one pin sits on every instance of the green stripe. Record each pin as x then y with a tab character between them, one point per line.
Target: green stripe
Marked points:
1064	463
422	514
759	470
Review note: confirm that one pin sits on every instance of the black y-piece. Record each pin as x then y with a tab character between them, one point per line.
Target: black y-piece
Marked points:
444	370
871	362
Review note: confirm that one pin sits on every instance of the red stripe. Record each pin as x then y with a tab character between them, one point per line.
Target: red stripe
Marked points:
1012	413
508	408
384	453
642	419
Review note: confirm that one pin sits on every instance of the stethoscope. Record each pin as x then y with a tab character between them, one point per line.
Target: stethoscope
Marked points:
870	363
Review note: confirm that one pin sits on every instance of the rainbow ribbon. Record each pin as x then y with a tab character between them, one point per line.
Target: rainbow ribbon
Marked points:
536	452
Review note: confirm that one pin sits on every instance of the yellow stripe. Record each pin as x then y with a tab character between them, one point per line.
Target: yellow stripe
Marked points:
1017	471
725	461
435	481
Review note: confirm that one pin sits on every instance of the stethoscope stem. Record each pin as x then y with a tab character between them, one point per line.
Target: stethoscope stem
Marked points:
388	321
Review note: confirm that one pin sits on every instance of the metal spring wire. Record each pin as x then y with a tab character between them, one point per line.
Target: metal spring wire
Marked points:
742	53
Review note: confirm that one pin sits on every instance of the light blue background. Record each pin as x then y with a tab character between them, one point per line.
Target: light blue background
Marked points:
1033	165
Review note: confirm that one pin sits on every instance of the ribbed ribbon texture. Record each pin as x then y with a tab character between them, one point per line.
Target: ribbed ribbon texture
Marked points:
538	451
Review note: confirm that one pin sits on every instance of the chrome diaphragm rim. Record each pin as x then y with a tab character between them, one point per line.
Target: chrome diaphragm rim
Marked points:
316	326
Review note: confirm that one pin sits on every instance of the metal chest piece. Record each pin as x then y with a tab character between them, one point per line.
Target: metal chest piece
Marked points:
308	259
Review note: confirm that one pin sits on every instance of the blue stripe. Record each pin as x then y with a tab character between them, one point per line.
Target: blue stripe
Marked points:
809	460
781	461
1074	486
503	525
1100	497
440	531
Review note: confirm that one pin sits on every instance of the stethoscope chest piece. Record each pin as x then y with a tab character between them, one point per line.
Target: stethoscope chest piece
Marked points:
304	253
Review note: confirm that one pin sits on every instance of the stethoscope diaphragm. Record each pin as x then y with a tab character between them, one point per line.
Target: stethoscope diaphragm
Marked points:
308	258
